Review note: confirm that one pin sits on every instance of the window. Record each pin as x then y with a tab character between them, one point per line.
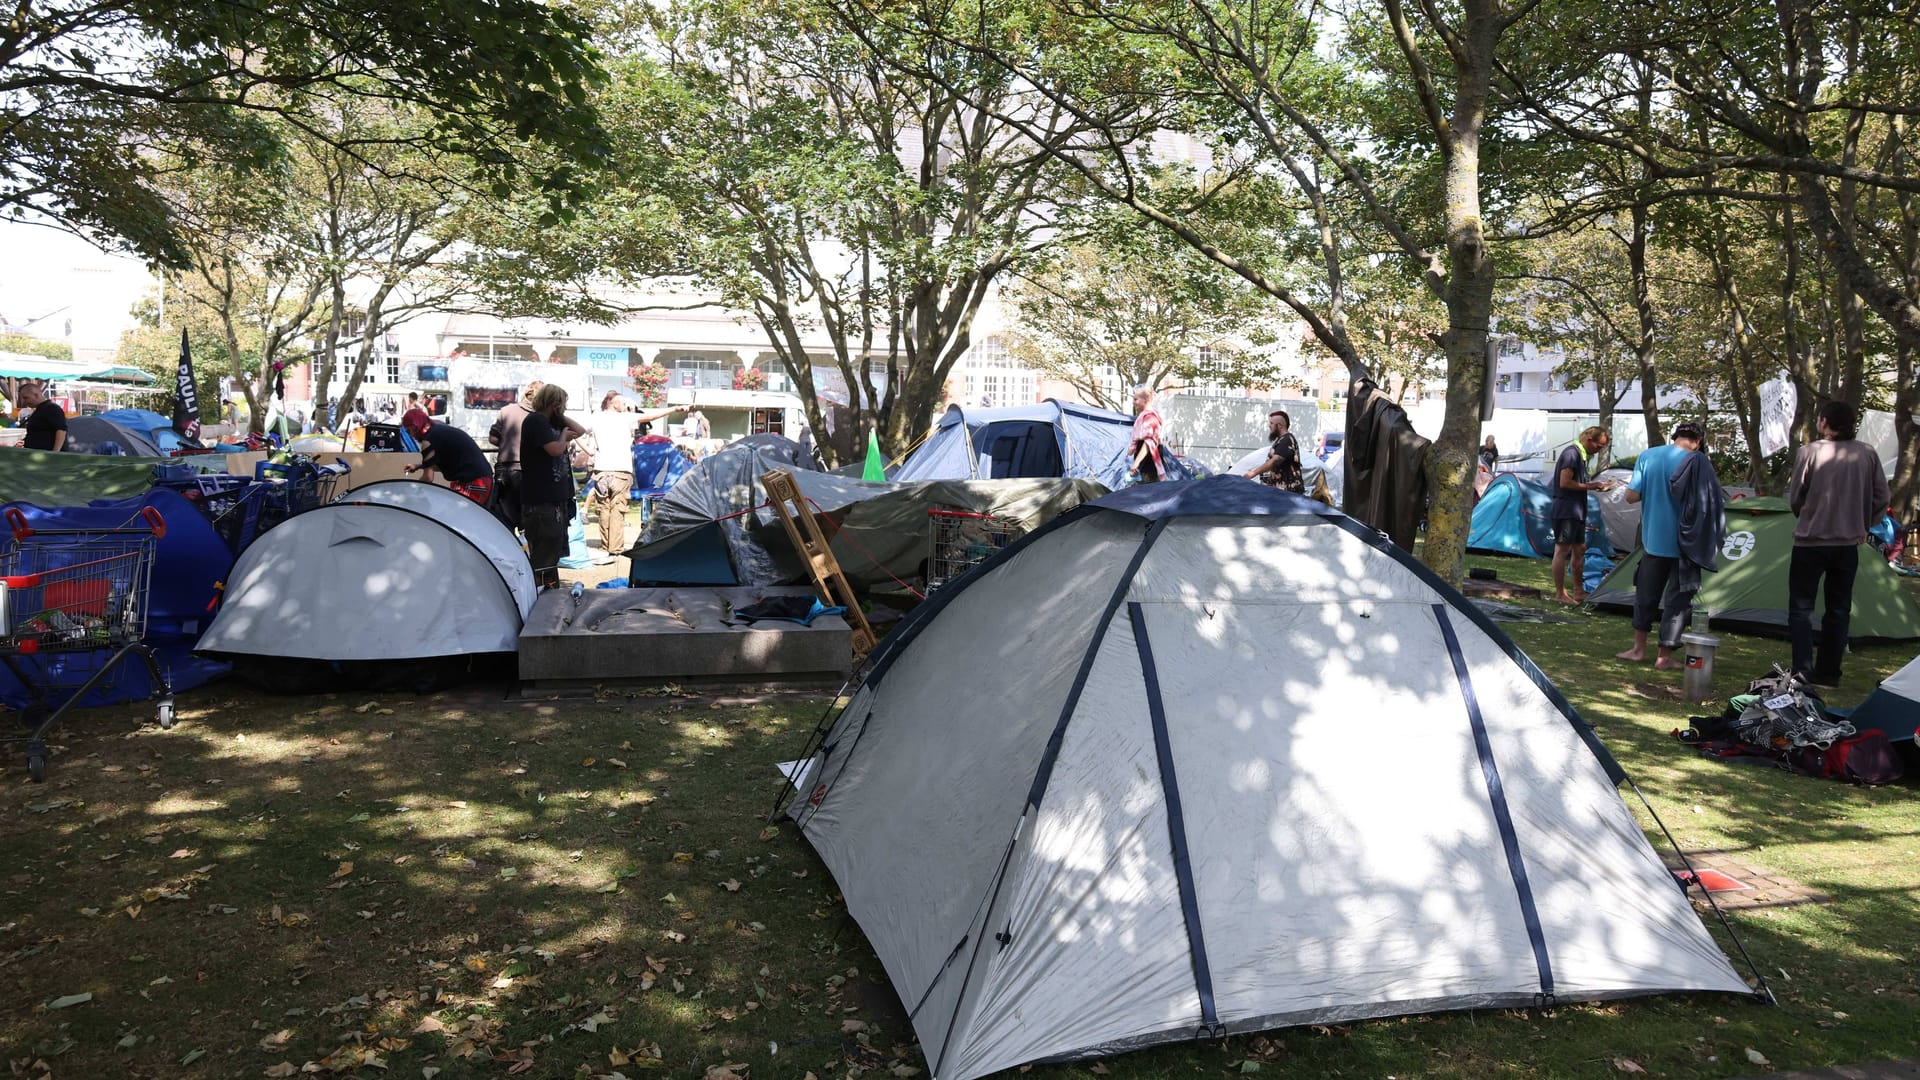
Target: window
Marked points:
1511	347
1506	383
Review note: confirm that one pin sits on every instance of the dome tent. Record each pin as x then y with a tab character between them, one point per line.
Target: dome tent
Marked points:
1138	829
1749	591
388	588
1515	517
1050	439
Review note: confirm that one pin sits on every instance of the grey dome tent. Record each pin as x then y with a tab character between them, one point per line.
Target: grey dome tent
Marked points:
1049	439
389	587
1209	758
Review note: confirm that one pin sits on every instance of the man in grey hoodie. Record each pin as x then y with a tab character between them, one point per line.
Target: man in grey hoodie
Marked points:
1838	491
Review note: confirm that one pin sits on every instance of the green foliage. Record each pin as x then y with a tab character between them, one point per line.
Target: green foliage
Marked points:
93	126
33	346
1123	306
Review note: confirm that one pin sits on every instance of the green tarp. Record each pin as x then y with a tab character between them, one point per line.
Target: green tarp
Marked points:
1750	589
45	478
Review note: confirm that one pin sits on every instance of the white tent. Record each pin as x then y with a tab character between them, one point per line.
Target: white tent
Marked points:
375	579
466	517
1204	758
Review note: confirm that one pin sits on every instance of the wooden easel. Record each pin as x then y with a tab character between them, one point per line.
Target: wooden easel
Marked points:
811	544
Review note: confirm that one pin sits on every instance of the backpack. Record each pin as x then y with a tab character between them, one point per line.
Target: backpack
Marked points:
1867	758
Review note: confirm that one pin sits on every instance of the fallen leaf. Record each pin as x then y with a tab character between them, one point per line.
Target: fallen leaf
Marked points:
285	1068
732	1070
276	1041
1757	1057
428	1025
683	856
69	1001
592	1023
730	885
193	1056
342	870
849	1027
616	763
587	761
1627	1065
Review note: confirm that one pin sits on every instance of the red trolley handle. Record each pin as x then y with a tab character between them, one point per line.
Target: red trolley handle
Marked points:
17	521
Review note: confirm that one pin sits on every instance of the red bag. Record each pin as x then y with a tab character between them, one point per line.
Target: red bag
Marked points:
1867	758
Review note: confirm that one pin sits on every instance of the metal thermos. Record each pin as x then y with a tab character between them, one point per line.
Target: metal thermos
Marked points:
1698	680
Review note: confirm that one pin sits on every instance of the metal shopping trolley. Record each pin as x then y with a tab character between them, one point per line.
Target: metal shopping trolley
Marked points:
67	593
962	539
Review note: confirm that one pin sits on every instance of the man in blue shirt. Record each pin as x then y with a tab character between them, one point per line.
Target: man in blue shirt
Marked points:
1656	585
1569	513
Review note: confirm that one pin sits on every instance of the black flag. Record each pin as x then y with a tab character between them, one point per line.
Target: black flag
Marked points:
186	400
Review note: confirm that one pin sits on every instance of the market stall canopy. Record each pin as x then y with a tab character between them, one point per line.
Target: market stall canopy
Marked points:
26	366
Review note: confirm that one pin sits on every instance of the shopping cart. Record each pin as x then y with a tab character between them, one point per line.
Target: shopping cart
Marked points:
962	539
65	592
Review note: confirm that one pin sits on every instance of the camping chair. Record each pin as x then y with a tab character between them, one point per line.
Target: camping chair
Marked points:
657	466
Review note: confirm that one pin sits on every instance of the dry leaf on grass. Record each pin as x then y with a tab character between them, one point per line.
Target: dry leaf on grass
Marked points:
1627	1065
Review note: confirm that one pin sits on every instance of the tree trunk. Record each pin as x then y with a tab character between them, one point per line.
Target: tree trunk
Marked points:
1469	300
1906	428
1643	346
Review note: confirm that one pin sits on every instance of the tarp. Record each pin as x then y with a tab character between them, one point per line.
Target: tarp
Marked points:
1077	808
189	562
879	533
61	479
1514	517
1750	589
1050	439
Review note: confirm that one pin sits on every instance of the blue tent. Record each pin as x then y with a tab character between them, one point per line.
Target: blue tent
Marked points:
190	562
1514	517
151	424
1050	439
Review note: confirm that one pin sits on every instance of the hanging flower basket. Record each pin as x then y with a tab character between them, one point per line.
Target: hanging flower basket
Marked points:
749	379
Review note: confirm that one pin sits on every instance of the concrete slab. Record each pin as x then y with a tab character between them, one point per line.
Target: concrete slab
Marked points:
681	633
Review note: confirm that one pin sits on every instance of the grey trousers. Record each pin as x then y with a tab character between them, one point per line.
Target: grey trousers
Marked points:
1656	587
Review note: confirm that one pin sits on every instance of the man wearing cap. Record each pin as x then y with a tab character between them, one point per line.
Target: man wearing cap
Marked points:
453	454
1657	583
1282	467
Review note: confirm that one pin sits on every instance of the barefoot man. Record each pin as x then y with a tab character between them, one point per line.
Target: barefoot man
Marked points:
1657	582
1569	512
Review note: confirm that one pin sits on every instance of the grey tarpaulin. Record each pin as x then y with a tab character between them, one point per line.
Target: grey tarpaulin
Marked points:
881	529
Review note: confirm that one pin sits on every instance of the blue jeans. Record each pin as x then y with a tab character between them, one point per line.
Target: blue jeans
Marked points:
1838	565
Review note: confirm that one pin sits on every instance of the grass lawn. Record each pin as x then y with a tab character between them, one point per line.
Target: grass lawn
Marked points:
467	886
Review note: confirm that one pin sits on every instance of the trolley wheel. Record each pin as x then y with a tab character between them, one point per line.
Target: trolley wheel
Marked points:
37	768
163	713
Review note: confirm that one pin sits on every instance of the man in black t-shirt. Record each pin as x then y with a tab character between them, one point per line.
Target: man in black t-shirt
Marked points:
1282	467
453	454
46	425
1569	511
546	481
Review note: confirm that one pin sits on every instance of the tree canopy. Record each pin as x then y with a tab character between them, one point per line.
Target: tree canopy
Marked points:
99	101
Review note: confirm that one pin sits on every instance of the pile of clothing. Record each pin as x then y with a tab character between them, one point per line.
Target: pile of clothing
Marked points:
1781	722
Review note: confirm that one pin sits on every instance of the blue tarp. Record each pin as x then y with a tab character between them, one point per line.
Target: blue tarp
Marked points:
1050	439
1514	517
657	466
189	563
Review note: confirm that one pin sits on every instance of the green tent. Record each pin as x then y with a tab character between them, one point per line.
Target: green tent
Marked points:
46	478
1750	590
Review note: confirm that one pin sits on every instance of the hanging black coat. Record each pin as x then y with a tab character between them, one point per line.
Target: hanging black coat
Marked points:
1700	505
1385	465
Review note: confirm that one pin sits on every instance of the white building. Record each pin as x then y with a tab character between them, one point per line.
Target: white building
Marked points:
1529	377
